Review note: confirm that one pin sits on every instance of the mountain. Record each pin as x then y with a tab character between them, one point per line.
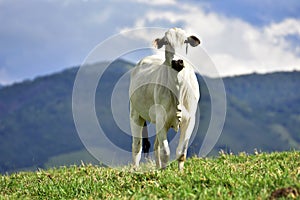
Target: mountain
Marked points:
37	128
263	111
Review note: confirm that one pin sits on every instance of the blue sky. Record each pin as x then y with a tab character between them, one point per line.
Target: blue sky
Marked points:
39	37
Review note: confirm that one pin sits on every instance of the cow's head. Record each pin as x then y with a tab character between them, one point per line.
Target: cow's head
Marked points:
175	37
177	65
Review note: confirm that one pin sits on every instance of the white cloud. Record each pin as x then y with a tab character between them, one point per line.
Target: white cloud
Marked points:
235	46
286	27
156	2
41	37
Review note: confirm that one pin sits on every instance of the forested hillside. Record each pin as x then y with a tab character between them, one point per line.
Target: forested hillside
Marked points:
37	128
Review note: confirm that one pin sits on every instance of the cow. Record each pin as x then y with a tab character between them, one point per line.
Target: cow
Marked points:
164	92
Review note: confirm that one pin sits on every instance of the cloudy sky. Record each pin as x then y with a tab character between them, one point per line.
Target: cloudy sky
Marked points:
39	37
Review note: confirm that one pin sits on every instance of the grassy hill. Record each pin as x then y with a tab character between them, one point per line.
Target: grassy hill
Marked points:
260	176
37	128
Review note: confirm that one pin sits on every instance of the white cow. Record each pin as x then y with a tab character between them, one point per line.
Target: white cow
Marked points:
166	93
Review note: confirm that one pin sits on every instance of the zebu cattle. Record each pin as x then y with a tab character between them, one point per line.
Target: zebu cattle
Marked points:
166	93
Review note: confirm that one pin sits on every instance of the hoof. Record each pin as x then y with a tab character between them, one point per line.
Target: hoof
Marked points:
180	165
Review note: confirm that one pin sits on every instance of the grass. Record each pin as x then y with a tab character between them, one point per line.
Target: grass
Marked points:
224	177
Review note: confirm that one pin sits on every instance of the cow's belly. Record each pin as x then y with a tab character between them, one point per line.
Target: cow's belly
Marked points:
164	109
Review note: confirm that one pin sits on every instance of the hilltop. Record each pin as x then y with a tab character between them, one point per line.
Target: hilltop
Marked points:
259	176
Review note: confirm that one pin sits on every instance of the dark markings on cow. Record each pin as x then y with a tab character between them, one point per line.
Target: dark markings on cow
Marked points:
177	65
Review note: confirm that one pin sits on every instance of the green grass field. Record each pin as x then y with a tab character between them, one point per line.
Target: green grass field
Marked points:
259	176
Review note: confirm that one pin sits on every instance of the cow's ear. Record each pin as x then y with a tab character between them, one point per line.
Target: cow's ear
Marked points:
193	41
158	43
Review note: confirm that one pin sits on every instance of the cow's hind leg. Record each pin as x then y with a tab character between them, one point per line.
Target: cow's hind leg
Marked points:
136	124
136	144
161	149
157	154
186	129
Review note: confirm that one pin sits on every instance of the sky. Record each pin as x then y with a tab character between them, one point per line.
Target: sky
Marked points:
40	37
